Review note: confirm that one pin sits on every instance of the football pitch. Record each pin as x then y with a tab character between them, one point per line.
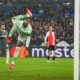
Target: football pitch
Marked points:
37	69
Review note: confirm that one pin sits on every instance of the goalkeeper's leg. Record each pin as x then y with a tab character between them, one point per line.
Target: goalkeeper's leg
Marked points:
15	54
19	44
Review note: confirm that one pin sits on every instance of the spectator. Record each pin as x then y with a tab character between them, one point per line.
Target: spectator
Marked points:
55	13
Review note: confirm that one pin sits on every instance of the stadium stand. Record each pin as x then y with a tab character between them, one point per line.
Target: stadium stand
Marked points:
45	13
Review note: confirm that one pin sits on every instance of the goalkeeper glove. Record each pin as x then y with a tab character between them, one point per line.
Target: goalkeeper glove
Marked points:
8	40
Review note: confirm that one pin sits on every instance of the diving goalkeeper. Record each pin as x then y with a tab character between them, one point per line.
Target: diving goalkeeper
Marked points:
21	24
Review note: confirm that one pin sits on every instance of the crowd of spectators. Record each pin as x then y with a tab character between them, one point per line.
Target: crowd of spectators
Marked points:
45	13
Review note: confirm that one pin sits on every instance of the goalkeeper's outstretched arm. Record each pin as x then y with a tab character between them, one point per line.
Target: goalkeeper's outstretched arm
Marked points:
13	29
19	17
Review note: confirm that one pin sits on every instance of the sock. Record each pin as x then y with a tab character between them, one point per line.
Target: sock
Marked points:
53	58
7	56
15	54
47	57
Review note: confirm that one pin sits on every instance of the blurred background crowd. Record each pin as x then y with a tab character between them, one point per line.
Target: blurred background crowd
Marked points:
58	13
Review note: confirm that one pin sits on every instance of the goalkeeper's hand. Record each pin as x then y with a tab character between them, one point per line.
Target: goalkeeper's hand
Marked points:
8	40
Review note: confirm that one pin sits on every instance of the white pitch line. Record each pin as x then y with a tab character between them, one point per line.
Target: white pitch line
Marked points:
26	69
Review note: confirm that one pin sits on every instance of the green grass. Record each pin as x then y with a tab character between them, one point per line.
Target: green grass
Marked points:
37	69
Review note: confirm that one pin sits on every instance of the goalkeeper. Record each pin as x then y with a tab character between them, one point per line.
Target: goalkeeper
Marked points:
21	24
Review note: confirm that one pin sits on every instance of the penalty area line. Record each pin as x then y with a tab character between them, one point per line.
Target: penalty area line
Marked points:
26	69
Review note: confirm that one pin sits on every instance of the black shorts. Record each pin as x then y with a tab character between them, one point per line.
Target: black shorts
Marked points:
53	47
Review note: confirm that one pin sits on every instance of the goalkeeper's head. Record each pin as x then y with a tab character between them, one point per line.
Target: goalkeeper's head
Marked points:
26	21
